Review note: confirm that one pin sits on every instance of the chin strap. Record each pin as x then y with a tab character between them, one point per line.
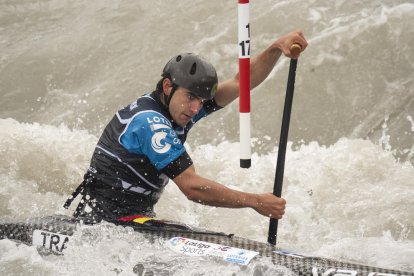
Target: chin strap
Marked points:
167	99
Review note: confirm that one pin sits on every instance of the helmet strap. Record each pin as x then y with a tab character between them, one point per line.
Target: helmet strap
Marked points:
167	99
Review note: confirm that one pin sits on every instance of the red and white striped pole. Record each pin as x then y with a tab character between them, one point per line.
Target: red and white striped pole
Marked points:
244	80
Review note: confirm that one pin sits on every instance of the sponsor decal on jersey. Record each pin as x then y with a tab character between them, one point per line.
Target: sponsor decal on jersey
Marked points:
162	128
159	120
158	143
133	105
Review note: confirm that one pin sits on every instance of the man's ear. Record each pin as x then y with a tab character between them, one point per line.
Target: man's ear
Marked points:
167	86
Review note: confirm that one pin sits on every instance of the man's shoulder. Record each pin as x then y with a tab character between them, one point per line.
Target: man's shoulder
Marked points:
144	107
143	103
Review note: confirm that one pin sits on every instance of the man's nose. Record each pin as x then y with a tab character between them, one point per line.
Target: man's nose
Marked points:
196	105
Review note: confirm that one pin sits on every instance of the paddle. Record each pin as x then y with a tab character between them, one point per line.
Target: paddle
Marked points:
280	167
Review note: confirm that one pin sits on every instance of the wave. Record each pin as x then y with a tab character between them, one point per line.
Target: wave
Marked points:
350	197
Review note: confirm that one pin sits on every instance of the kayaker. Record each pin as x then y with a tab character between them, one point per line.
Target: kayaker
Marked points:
141	148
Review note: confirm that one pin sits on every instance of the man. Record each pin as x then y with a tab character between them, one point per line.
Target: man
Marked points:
142	146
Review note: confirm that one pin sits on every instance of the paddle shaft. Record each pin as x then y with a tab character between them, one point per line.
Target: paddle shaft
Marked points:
280	167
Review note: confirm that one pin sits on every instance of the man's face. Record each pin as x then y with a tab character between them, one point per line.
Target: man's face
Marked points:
184	105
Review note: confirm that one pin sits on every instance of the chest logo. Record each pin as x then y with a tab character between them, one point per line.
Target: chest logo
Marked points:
157	143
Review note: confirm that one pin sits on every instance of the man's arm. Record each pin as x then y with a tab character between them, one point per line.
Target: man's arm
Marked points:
260	67
205	191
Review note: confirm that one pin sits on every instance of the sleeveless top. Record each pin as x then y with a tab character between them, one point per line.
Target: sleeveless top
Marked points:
138	152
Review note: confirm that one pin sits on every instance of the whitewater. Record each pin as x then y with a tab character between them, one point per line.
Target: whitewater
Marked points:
66	67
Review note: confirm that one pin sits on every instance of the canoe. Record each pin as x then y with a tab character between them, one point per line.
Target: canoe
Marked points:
54	233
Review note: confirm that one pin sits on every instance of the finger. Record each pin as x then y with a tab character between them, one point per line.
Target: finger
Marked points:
301	40
300	33
278	216
304	44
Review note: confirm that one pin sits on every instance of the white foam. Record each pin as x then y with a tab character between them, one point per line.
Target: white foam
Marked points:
351	190
40	165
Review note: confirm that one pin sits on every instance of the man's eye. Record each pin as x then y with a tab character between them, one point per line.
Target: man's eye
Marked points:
190	96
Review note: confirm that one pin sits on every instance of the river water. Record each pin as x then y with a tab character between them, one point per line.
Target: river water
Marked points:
67	66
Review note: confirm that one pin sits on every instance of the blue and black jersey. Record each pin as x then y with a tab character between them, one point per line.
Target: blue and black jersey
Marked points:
139	150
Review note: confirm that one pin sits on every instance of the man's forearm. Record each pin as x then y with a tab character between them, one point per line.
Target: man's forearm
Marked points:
205	191
262	64
211	193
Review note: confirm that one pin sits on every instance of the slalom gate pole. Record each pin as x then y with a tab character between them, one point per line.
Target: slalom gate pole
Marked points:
244	81
280	167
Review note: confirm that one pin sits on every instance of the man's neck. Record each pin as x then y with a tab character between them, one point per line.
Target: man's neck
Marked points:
160	98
